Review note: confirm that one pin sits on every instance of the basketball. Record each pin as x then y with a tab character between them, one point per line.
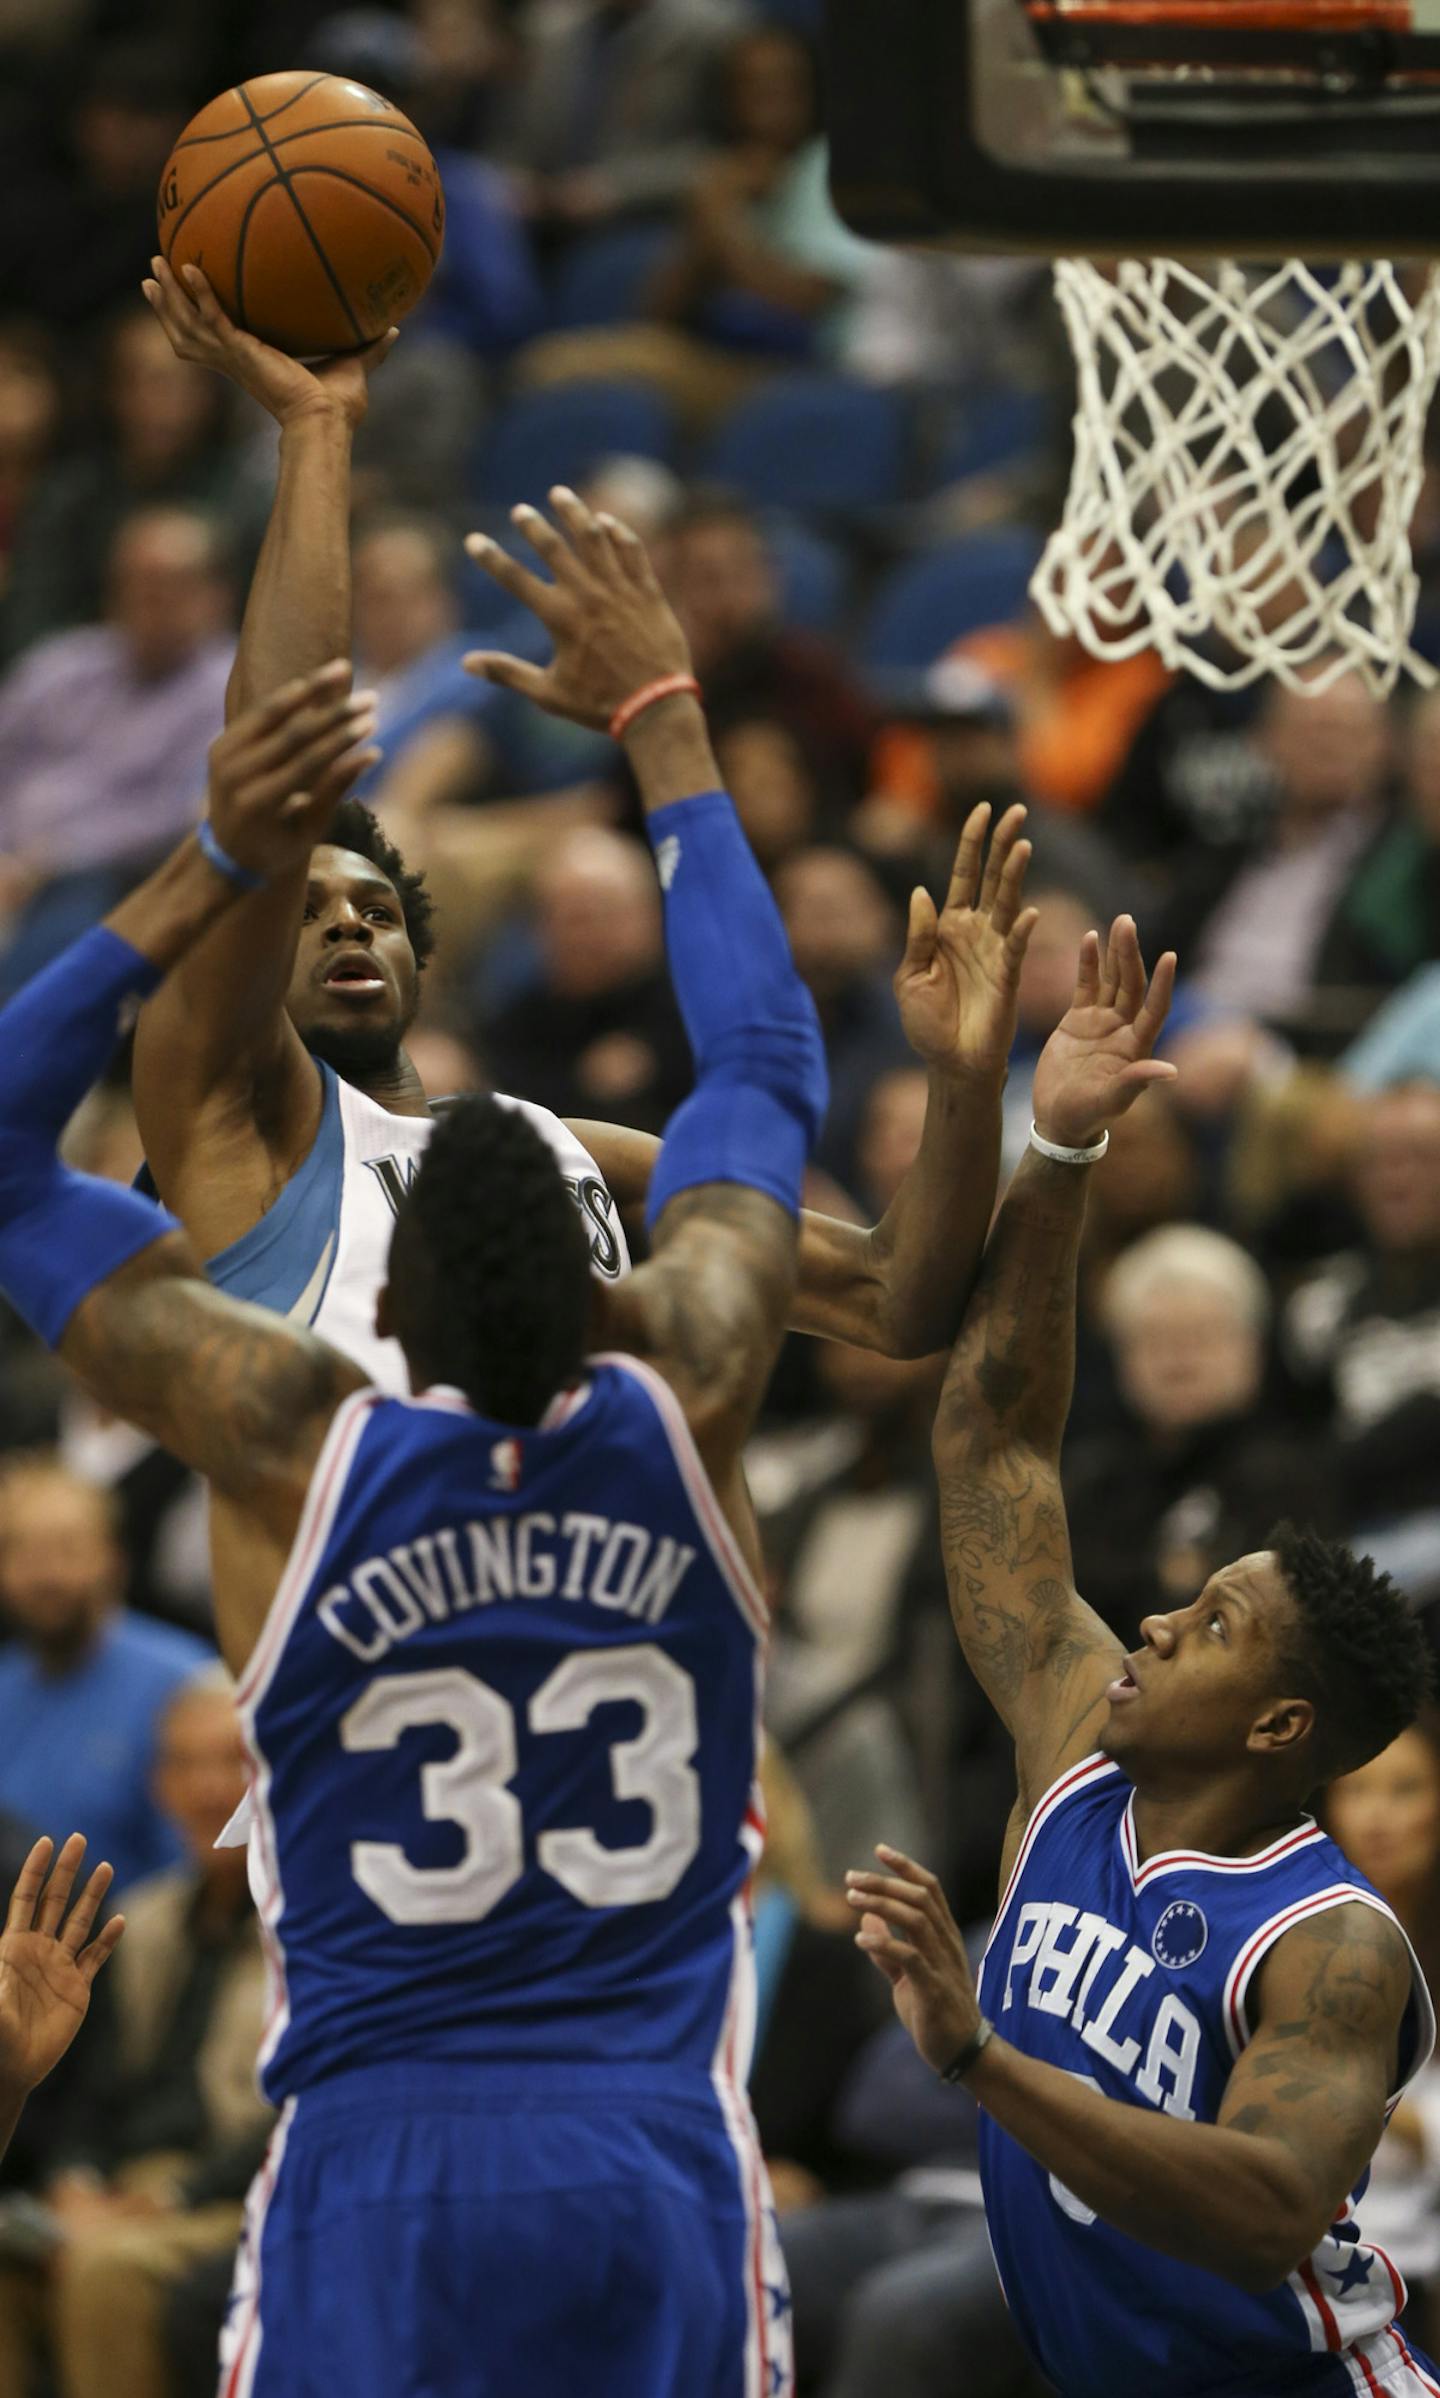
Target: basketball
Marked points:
313	206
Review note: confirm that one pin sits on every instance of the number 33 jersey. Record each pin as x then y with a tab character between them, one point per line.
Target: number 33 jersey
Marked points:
503	1732
1140	1978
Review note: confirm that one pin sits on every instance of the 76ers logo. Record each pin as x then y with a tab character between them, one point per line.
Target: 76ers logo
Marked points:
1180	1935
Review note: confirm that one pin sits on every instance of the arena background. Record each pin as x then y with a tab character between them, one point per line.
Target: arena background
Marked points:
845	460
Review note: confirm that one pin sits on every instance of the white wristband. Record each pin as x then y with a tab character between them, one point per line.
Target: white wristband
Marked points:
1069	1157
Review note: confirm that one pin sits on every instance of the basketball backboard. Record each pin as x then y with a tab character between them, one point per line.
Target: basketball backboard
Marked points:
1102	128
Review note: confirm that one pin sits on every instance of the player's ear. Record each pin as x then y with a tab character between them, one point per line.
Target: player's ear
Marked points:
1283	1725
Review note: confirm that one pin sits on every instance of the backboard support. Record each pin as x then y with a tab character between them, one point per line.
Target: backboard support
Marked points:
1109	128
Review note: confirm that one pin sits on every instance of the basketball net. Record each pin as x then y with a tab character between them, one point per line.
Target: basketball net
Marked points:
1248	455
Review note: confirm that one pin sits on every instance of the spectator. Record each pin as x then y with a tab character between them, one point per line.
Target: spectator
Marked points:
190	2010
1200	1468
762	268
722	584
1386	1817
772	783
890	1135
408	644
82	1683
844	938
607	112
166	443
1364	1334
30	411
104	734
598	1034
1251	918
1388	921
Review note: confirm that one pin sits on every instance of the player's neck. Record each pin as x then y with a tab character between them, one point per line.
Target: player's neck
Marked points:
396	1087
1227	1818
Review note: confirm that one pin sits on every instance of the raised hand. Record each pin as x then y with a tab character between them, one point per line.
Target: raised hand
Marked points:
907	1929
278	773
48	1962
1098	1060
612	626
203	335
957	982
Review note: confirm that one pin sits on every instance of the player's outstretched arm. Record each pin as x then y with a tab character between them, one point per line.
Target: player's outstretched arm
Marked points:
48	1964
216	1057
710	1307
1248	2197
1043	1656
900	1286
106	1277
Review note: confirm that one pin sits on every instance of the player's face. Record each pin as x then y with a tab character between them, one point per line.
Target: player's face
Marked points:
1206	1676
354	987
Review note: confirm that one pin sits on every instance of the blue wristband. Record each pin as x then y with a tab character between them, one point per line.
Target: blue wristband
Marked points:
222	861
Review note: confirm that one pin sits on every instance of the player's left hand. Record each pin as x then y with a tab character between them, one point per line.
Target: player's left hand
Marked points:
907	1929
958	981
1098	1059
202	334
613	628
278	773
48	1962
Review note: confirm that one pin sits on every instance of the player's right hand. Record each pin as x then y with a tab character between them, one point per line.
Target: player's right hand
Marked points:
203	335
278	773
958	983
48	1962
1098	1059
613	628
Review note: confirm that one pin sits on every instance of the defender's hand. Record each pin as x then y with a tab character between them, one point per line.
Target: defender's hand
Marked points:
1097	1061
907	1929
48	1962
611	624
202	334
278	773
958	980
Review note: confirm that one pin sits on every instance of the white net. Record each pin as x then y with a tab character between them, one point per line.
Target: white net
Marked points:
1248	454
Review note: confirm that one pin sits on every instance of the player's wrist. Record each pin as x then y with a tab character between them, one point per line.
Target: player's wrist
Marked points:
669	751
1069	1144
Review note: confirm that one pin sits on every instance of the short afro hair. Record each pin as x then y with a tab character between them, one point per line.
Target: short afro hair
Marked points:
356	827
1357	1649
489	1264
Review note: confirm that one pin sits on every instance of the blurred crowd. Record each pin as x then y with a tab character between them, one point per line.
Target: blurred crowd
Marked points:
845	461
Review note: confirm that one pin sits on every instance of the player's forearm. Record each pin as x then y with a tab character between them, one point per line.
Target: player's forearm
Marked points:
1012	1373
298	614
670	753
1233	2204
929	1244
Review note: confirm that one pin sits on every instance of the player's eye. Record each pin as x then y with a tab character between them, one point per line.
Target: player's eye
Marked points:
1216	1618
386	915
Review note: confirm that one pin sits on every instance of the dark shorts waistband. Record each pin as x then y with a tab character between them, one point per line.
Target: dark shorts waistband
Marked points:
464	2088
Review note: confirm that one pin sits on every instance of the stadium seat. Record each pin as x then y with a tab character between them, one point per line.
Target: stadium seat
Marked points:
600	279
814	442
995	429
931	601
560	436
813	573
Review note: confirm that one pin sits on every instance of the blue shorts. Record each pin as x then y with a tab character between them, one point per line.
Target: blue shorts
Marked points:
499	2232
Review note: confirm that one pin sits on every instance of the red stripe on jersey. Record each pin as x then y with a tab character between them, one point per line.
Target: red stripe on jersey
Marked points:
1322	2306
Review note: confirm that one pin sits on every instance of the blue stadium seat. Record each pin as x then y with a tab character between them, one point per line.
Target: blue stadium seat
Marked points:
560	436
994	429
933	600
602	277
813	573
813	442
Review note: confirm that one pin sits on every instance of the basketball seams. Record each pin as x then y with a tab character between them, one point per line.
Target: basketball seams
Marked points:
233	169
302	133
283	176
188	141
381	199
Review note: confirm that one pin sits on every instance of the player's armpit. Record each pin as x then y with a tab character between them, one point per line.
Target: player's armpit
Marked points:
1315	2078
709	1309
1044	1659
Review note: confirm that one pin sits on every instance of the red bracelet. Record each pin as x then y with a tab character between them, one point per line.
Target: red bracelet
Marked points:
669	686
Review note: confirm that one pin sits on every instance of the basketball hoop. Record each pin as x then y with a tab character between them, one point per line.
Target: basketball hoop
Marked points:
1248	455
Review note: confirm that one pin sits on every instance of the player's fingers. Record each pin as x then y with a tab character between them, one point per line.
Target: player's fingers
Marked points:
629	552
62	1881
1132	1080
1132	966
204	302
920	931
329	787
1011	886
969	850
172	291
1150	1022
530	589
892	1956
330	681
80	1921
1007	833
102	1948
905	1916
1109	971
906	1867
370	358
590	539
29	1883
1087	972
295	777
1017	940
512	674
313	717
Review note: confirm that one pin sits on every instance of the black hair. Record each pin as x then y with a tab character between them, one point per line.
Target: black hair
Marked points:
1357	1649
490	1266
356	827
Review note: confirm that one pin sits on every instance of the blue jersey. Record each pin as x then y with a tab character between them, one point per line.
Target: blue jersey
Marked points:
1137	1978
503	1723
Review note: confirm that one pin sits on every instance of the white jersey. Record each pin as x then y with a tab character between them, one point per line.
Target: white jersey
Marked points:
319	1254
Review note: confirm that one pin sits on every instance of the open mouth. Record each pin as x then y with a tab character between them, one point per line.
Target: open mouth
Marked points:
1122	1688
356	978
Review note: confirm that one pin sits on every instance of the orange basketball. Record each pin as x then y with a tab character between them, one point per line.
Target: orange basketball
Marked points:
313	206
